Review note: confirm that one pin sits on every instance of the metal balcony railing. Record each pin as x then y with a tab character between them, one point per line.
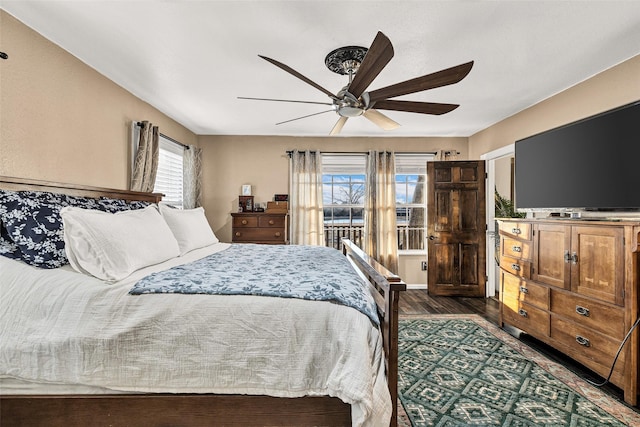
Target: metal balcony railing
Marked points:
408	238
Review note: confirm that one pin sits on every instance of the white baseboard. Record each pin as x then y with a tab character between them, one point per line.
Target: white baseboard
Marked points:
416	286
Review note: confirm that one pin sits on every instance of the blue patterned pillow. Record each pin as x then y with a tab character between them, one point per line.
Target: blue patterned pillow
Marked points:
32	229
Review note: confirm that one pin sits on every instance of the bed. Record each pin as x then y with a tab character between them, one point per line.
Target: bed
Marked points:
336	366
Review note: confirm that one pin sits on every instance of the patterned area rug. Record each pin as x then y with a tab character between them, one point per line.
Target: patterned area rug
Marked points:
461	370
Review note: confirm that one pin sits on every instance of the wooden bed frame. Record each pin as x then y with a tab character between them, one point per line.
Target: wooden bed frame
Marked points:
202	409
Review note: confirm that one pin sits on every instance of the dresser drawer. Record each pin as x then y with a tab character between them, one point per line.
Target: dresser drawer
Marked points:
271	221
245	221
258	234
516	267
530	319
517	230
593	349
589	313
517	288
515	248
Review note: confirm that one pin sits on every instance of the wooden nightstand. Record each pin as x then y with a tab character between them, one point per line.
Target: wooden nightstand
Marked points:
259	227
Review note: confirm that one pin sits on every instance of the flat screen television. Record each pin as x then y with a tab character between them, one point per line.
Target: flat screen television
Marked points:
591	164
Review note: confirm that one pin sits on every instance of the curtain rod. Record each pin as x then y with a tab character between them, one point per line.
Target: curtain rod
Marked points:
289	152
186	147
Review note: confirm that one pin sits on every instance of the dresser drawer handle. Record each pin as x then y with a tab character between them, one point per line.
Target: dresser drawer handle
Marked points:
277	234
582	311
245	222
238	234
515	267
583	341
523	313
567	257
516	231
271	222
524	290
516	248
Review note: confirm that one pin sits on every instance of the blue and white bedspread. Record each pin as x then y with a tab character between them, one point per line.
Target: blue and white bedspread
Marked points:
288	271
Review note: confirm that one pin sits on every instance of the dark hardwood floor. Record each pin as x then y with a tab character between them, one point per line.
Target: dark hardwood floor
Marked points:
418	301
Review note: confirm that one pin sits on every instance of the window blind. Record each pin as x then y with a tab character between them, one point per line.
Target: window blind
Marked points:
169	179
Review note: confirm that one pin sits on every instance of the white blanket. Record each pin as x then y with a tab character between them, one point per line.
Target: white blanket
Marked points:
62	327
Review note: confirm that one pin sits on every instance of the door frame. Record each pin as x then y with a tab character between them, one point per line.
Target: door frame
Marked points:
490	169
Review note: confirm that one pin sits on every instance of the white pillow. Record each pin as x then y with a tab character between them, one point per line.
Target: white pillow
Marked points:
112	246
189	226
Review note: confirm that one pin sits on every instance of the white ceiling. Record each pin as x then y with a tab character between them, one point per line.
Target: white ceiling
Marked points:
192	59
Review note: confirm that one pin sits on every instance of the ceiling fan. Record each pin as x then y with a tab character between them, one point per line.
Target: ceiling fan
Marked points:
363	65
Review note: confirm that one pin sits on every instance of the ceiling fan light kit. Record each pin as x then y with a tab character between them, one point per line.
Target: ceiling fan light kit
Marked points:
363	65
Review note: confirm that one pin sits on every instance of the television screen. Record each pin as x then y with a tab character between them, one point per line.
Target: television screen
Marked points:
591	164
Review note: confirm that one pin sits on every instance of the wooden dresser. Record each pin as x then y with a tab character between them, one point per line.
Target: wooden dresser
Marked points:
573	284
259	227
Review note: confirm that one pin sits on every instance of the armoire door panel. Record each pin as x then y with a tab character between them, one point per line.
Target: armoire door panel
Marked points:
597	264
552	255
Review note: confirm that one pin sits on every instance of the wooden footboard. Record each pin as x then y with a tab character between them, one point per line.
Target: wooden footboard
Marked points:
198	409
386	288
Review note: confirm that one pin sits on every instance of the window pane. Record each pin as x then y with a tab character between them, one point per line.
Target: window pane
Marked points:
401	193
341	194
416	217
357	216
402	216
420	190
327	193
328	214
357	194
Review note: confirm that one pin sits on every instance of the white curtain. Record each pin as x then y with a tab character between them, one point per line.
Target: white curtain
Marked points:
192	177
145	164
307	227
380	229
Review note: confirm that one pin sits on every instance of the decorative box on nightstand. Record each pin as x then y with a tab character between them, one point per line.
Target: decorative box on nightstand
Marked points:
259	227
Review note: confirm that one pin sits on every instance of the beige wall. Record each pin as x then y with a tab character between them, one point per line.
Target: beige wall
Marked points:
230	161
60	120
614	87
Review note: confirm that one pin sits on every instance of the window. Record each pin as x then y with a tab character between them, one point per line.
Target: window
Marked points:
343	187
411	177
169	178
343	180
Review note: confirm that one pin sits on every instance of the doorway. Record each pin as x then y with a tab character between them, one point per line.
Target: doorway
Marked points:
499	169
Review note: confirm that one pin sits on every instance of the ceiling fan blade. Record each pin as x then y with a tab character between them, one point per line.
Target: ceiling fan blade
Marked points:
430	81
415	107
298	75
304	117
285	100
338	126
384	122
377	57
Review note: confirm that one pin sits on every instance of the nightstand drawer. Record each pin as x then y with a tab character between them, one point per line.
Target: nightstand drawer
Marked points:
245	221
271	221
258	234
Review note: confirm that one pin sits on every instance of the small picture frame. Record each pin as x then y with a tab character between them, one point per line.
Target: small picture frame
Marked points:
246	190
281	198
246	203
